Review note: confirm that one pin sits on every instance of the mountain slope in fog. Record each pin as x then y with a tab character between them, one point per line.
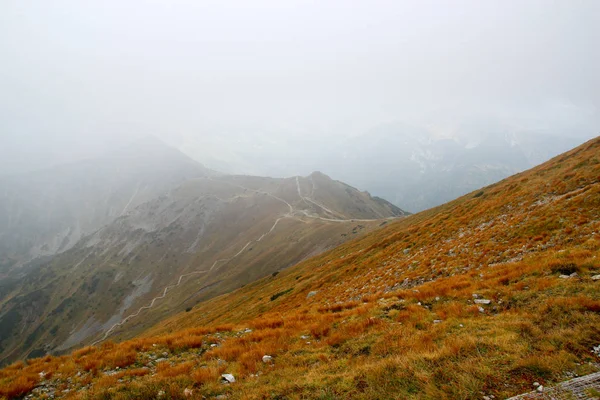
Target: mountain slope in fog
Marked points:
46	212
205	237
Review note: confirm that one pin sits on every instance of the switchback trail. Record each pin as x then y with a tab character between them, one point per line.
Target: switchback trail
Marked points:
291	214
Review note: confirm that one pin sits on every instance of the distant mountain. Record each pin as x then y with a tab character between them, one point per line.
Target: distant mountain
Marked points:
46	212
412	166
205	237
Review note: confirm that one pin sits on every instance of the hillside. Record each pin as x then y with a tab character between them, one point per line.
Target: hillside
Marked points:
46	212
203	238
482	296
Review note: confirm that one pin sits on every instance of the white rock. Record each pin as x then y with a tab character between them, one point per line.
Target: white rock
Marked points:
564	276
596	277
188	392
437	321
540	389
267	359
311	294
481	310
482	301
227	378
536	384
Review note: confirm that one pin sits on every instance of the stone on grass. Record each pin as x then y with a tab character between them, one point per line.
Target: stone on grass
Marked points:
482	301
227	378
311	294
267	359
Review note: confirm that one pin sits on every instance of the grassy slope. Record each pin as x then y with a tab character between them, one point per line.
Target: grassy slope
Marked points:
394	314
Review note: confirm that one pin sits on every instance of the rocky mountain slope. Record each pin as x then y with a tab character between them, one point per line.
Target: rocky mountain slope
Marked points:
46	212
483	296
208	236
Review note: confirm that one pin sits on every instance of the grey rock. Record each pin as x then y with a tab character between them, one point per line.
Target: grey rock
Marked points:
267	359
311	294
227	378
482	301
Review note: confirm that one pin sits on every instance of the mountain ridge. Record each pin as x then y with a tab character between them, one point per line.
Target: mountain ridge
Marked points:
197	230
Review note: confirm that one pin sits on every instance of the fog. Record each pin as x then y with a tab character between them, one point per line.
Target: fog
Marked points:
220	79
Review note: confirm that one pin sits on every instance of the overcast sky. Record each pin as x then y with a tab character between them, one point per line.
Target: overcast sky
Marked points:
83	73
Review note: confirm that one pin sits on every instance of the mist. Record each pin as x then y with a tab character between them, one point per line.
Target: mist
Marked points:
235	83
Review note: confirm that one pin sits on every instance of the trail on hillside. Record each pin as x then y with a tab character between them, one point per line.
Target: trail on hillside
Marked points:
291	214
306	214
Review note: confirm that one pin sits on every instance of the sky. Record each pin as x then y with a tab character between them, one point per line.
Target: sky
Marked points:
78	77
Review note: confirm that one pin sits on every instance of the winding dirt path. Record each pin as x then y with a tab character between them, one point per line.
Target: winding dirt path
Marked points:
291	214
